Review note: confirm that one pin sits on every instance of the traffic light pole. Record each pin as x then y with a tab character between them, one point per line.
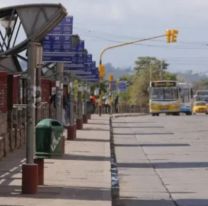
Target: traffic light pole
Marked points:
126	44
171	36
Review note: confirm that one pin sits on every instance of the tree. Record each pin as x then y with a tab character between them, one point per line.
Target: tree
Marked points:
152	65
147	69
124	96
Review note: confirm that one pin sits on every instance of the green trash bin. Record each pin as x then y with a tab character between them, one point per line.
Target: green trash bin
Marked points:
49	138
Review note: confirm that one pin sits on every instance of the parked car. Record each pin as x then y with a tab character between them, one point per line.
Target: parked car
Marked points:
200	107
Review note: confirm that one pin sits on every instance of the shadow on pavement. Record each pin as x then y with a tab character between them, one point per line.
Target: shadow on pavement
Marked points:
151	145
115	122
137	127
97	123
165	165
146	133
61	192
90	140
10	205
137	202
11	166
84	157
94	129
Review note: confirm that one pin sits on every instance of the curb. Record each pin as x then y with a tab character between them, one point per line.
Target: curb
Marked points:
129	115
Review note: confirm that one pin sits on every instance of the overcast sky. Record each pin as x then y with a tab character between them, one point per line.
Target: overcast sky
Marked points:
102	23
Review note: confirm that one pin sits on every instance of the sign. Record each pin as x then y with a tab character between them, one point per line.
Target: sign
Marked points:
58	42
122	86
112	85
57	57
163	84
64	27
72	66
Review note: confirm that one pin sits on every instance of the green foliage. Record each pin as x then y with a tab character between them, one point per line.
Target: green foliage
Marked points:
125	96
169	76
103	87
150	63
146	69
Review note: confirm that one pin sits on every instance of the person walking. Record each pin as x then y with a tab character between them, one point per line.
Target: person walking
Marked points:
116	104
99	103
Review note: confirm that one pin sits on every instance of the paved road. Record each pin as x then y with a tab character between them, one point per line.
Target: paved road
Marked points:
162	161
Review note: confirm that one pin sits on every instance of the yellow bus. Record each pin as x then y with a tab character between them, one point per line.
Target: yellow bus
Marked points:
164	97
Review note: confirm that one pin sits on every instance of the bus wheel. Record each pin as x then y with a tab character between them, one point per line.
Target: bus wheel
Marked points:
155	114
188	113
176	113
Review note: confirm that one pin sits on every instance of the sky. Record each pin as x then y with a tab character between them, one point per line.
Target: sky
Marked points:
102	23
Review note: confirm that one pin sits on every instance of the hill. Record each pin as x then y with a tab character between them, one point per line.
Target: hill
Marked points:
117	72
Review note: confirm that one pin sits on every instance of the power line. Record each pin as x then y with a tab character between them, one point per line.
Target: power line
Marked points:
125	37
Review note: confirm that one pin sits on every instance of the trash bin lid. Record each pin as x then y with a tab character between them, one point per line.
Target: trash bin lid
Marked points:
49	123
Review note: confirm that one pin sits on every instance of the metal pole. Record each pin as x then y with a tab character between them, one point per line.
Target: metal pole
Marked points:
34	58
79	103
38	95
161	70
85	99
71	104
150	73
59	91
126	44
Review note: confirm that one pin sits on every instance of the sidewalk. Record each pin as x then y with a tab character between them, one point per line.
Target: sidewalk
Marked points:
81	178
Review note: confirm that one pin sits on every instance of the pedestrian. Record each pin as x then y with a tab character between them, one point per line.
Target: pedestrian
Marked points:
93	103
66	108
99	103
116	103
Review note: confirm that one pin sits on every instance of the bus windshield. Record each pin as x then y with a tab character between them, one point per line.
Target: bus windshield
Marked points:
185	94
164	93
202	98
202	93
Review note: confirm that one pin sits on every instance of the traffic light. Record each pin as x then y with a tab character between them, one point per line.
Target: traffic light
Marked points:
110	78
171	35
174	35
101	71
168	36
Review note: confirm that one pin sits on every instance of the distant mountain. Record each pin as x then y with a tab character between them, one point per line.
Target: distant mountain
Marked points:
117	72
